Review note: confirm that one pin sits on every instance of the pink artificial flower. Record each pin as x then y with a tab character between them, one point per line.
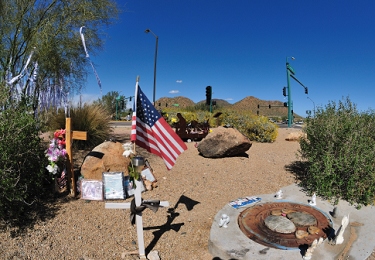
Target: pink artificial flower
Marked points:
61	142
60	134
63	153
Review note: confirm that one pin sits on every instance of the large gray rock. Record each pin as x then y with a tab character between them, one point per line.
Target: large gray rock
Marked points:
302	219
106	157
280	224
224	142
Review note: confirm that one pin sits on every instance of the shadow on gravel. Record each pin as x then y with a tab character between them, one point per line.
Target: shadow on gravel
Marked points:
299	170
122	138
168	226
244	155
37	212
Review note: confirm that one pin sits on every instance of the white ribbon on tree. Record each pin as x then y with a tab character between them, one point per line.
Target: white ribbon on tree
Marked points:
19	76
88	57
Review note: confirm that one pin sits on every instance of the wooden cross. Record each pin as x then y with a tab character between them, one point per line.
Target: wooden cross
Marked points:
138	217
69	136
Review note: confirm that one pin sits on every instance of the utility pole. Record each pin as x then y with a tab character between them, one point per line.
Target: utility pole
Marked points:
289	70
291	74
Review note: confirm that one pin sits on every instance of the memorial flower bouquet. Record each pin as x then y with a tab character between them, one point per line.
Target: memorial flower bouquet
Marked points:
56	154
128	152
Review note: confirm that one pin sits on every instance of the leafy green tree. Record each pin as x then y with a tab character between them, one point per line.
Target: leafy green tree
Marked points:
40	42
40	49
109	101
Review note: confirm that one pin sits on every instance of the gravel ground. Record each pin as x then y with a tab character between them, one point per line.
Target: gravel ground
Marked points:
196	188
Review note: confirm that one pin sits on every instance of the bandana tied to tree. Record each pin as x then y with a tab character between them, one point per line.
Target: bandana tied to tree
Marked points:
152	132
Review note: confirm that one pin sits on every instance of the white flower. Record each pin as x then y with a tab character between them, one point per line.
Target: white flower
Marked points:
127	153
52	168
128	149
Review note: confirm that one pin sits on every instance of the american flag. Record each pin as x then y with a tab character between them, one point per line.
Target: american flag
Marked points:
152	132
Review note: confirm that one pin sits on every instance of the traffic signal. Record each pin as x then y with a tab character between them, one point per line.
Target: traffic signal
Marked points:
285	104
122	104
208	95
258	112
284	91
130	98
269	106
306	90
258	106
214	102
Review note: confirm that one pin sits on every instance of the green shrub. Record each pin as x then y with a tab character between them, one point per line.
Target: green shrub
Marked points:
201	116
339	152
92	118
256	128
23	177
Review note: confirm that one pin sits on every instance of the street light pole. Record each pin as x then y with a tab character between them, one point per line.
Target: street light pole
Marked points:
313	104
289	70
155	59
117	100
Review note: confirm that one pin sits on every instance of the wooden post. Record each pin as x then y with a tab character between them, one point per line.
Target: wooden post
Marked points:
69	136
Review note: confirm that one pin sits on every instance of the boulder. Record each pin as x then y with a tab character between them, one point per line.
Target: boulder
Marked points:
224	142
106	157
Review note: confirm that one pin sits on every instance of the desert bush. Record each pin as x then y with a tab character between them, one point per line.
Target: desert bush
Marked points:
256	128
92	118
23	177
339	151
201	116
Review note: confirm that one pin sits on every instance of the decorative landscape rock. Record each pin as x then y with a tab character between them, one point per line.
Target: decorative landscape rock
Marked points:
301	234
313	230
280	224
106	157
302	219
224	142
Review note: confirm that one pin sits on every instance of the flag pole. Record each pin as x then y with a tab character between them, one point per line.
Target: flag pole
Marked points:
135	107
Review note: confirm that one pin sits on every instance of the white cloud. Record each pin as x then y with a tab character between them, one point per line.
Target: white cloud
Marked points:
229	99
179	81
174	92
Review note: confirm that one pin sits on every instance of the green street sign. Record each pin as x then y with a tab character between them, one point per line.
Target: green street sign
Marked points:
291	69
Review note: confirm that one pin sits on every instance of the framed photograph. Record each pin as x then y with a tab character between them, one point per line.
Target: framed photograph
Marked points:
91	189
113	185
129	187
147	164
147	174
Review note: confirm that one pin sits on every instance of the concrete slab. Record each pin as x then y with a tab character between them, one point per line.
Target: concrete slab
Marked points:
359	237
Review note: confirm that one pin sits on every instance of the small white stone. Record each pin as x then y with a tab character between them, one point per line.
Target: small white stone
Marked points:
279	194
153	255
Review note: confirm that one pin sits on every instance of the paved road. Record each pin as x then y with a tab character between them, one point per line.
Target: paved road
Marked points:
297	126
120	124
129	123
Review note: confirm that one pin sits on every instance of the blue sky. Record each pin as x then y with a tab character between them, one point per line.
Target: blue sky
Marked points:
239	48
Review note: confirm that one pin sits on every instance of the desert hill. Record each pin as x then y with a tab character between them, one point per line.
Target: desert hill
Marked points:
182	102
249	103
